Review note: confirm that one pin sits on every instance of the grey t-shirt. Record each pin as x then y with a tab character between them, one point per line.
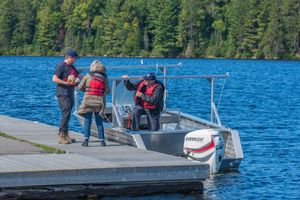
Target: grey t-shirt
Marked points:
63	70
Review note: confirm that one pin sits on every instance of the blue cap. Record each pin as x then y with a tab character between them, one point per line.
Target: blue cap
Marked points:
72	53
150	77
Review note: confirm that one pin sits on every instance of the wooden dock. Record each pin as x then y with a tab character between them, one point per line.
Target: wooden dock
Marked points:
112	170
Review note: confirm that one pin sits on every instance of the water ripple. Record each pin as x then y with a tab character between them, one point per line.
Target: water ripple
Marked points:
260	100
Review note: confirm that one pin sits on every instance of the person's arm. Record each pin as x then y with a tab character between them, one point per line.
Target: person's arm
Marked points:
157	96
130	86
57	80
82	84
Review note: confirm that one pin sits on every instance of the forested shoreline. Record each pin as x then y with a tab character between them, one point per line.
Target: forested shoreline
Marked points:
259	29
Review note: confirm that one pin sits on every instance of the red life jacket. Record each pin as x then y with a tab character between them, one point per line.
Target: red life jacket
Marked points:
149	91
96	87
73	72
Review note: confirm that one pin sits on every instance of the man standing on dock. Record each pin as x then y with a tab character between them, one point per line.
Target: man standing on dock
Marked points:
149	100
66	78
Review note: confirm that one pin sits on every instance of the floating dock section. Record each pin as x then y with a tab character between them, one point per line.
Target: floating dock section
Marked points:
107	171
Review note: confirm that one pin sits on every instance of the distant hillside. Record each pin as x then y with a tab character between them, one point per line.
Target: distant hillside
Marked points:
268	29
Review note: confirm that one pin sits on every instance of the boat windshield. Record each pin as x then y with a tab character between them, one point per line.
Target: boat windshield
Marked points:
123	96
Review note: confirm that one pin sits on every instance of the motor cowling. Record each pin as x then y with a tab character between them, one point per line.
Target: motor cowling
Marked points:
206	146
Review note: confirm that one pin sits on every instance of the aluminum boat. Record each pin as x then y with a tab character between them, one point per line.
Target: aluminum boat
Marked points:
180	134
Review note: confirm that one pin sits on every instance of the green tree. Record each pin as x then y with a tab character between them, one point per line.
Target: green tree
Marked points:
112	36
7	23
23	33
273	45
48	26
291	23
97	26
146	41
163	22
67	9
132	17
190	19
262	21
216	46
79	19
241	16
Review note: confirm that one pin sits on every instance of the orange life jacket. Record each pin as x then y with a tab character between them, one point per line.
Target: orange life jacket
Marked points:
148	91
96	86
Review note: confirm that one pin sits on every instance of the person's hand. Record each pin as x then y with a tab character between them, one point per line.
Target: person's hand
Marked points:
72	84
138	94
125	76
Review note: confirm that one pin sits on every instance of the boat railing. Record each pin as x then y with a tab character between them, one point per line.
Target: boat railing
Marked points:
117	121
162	67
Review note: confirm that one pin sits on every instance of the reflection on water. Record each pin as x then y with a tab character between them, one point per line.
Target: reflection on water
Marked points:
260	100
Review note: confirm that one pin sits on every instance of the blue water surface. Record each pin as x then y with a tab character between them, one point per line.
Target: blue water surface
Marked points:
260	100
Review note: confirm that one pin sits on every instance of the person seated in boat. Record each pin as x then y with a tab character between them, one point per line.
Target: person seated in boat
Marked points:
96	87
149	100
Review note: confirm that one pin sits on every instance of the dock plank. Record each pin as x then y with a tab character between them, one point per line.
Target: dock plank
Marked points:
113	164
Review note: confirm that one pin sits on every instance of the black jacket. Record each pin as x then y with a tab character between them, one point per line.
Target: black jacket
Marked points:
157	98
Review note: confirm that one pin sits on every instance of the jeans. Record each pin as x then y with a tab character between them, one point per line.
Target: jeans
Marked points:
87	125
66	105
153	119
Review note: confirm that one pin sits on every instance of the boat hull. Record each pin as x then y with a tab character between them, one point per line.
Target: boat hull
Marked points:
171	142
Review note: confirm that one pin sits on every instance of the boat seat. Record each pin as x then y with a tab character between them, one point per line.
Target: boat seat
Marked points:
169	119
164	119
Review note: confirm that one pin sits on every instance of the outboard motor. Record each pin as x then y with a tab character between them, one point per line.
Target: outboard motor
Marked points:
205	145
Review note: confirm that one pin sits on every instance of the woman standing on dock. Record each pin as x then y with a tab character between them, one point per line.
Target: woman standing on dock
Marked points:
96	87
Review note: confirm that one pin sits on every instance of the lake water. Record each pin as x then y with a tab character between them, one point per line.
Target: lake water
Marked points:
261	99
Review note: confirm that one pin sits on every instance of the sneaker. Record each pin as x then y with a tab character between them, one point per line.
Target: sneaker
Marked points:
102	143
85	143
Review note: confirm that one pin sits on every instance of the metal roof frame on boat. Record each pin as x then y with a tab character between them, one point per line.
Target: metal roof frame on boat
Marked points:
116	80
135	66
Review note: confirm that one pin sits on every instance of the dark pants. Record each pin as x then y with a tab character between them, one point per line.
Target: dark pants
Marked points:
153	119
66	105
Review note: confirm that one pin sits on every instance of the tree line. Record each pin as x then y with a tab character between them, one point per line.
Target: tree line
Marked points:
267	29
